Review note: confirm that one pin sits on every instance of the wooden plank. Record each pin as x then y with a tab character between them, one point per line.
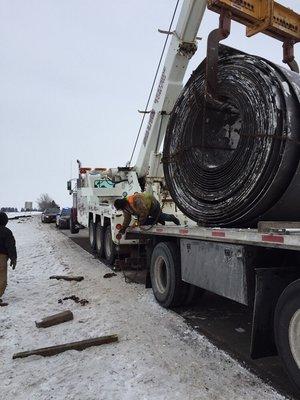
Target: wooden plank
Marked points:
109	275
81	345
55	319
20	216
67	278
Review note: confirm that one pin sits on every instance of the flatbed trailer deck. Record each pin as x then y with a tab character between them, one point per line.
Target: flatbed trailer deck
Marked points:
284	238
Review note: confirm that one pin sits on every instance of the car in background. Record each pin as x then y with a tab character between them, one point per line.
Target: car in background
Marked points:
63	218
49	215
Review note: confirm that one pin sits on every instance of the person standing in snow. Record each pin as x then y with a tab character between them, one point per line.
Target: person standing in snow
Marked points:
7	251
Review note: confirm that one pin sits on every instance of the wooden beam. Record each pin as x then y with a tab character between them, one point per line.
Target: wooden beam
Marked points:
67	278
53	350
55	319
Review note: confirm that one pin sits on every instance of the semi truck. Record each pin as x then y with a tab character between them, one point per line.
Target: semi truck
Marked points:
239	235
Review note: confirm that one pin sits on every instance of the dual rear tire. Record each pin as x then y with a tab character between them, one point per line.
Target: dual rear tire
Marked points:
73	219
165	273
101	242
92	235
110	250
287	331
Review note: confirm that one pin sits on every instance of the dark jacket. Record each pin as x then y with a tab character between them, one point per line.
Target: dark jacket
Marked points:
7	243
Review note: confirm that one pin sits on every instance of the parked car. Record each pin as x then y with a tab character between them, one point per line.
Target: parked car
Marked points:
49	215
63	218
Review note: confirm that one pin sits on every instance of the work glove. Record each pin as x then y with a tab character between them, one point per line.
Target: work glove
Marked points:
13	263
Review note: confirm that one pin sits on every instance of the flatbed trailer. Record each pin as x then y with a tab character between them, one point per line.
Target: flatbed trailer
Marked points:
284	237
259	268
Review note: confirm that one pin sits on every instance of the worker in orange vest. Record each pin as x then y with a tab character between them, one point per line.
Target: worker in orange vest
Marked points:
145	207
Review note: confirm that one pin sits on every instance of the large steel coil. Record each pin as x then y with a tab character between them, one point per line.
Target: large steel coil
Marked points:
238	164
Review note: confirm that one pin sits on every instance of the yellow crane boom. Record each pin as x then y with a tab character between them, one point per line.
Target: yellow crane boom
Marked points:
265	16
259	16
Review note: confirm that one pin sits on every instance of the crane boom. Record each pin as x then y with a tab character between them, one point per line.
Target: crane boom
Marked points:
181	49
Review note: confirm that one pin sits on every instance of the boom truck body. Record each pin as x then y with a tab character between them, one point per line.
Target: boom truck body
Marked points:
258	266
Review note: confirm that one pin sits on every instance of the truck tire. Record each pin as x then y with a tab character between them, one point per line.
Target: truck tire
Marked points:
73	228
92	235
165	273
287	331
100	239
110	250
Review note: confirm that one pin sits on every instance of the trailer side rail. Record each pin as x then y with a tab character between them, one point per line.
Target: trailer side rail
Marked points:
285	240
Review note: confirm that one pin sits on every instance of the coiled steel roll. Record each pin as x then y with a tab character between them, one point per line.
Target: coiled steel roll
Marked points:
239	164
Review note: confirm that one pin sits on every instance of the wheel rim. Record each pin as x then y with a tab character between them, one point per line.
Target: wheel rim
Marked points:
91	234
294	337
160	274
108	244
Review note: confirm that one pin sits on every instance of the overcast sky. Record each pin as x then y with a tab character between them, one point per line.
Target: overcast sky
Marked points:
73	75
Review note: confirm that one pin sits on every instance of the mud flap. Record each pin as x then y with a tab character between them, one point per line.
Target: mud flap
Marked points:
270	282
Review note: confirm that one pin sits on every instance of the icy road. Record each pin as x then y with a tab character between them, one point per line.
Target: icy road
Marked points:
157	357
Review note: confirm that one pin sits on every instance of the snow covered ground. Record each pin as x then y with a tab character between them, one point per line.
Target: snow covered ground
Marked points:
157	357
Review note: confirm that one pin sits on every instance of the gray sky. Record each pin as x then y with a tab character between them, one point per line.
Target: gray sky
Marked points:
73	74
